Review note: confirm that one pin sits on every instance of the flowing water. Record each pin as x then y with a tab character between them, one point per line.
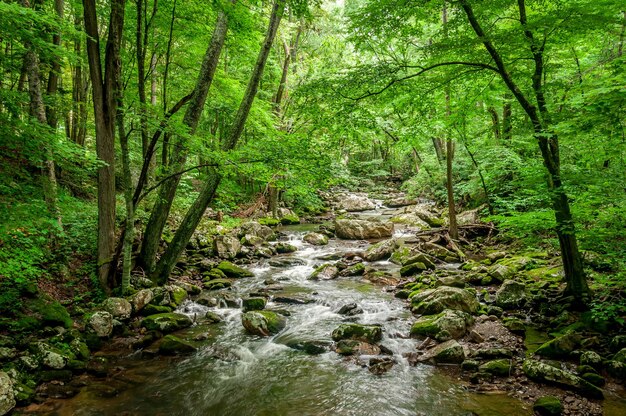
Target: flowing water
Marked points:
238	374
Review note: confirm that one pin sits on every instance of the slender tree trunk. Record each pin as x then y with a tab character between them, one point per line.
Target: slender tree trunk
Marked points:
495	122
129	225
207	193
106	88
507	113
163	204
283	79
55	71
141	75
548	144
453	228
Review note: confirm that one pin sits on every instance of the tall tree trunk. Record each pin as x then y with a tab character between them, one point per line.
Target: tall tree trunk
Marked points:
207	193
283	79
495	122
129	225
549	147
163	204
453	229
106	89
141	74
507	114
55	71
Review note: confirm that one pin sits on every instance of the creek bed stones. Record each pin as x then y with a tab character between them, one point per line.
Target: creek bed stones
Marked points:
166	322
263	323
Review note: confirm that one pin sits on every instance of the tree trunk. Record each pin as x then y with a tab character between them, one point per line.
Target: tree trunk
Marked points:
55	71
283	80
163	204
195	213
495	122
106	88
453	228
507	126
129	225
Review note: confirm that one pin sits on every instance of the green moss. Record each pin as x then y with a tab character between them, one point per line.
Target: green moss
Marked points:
548	406
213	274
53	313
234	271
151	309
365	333
217	284
594	378
290	219
253	304
269	221
413	269
500	367
172	345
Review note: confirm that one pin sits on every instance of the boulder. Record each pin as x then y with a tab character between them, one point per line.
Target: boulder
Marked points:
351	309
620	356
101	323
410	219
381	250
177	295
309	347
166	322
172	345
449	352
616	369
324	272
286	262
449	324
362	229
548	406
118	307
356	203
234	271
398	202
263	323
542	372
380	365
560	347
430	218
452	280
440	252
283	248
253	304
354	270
360	332
250	240
316	239
7	396
257	230
500	272
356	347
217	284
226	246
434	301
501	367
511	295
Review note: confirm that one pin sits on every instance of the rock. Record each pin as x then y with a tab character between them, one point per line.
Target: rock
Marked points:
172	345
412	269
177	295
101	323
119	308
470	365
263	323
356	203
292	300
309	347
213	274
617	343
500	367
440	252
7	354
449	352
515	325
452	281
316	239
253	304
449	324
430	218
616	369
511	295
592	359
380	365
283	248
398	202
419	257
140	299
560	347
166	322
54	314
381	250
355	347
354	270
213	318
594	378
362	229
226	246
288	217
410	219
217	284
541	372
620	356
257	230
434	301
500	272
152	309
366	333
548	406
351	309
54	360
286	262
234	271
325	272
7	396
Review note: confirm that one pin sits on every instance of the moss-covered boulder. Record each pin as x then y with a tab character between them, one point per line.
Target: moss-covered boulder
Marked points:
284	248
140	299
381	250
354	270
7	396
263	323
101	323
501	368
548	406
360	332
591	359
152	309
620	356
511	295
226	246
449	352
172	345
166	322
269	221
316	239
434	301
515	325
413	269
356	347
594	378
177	295
290	219
233	271
253	304
363	229
119	308
616	369
449	324
542	372
560	347
53	314
325	272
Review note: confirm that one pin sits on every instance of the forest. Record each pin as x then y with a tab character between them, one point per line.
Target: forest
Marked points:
356	207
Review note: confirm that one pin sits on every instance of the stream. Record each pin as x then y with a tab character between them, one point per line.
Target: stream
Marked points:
239	374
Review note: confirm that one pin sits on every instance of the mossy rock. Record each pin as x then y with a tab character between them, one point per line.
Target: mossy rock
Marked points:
560	347
284	248
217	284
543	372
269	221
501	368
620	356
53	314
413	269
177	295
234	271
263	323
434	301
359	332
442	327
594	378
470	365
213	274
290	219
172	345
354	270
515	325
449	352
548	406
253	304
152	309
166	322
